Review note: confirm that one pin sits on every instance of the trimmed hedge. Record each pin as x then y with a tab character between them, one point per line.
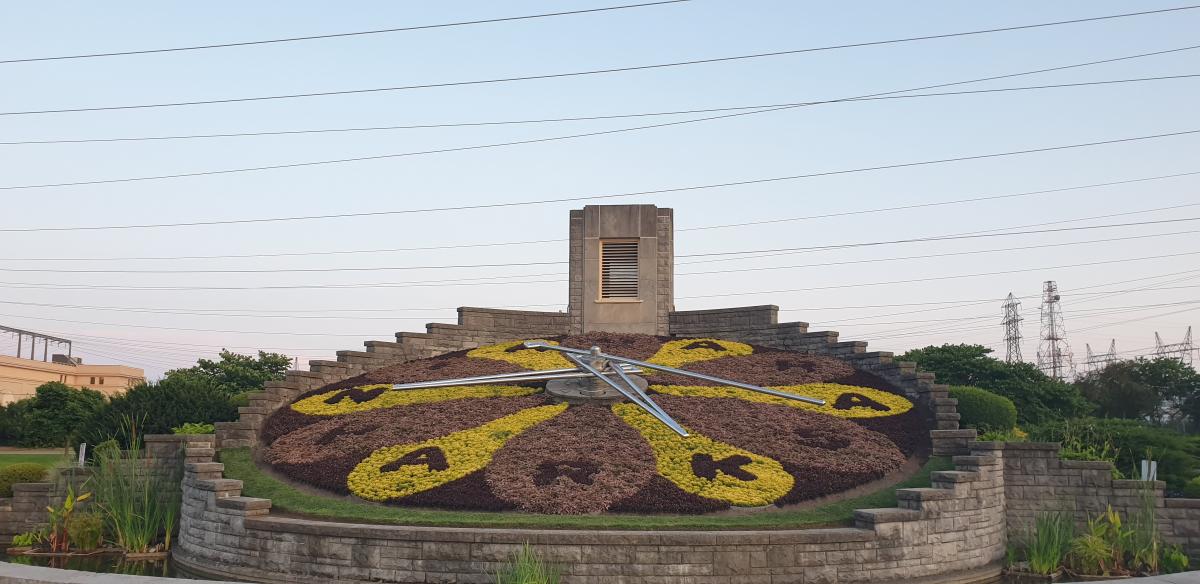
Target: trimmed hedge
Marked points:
1192	489
21	472
984	410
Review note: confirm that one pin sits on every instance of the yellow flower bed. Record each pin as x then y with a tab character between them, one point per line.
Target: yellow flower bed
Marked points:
674	353
527	358
316	406
442	459
862	401
675	458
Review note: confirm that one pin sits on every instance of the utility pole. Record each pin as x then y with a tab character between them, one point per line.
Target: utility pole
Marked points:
1012	329
1096	361
1182	351
1054	354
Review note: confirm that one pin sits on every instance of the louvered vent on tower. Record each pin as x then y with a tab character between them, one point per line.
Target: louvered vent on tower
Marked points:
618	269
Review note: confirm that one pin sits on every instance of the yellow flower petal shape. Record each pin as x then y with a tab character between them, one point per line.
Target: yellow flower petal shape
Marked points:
843	401
684	351
527	358
705	467
398	471
373	397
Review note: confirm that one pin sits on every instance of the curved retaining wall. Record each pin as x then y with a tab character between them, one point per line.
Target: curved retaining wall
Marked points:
954	528
954	531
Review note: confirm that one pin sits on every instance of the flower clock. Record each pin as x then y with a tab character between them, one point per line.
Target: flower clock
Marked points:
399	435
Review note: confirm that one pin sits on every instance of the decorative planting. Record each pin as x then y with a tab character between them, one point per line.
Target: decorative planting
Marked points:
496	447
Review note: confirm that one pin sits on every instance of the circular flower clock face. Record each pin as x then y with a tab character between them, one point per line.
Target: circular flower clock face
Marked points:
512	447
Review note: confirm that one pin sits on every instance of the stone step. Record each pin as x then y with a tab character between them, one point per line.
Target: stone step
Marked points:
975	460
865	518
954	476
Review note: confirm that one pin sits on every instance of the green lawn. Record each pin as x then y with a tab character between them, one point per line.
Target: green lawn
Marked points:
47	460
256	483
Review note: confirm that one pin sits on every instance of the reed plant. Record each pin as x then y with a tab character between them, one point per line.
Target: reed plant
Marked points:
138	499
525	567
1047	546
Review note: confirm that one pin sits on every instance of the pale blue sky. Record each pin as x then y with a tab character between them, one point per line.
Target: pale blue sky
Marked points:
816	139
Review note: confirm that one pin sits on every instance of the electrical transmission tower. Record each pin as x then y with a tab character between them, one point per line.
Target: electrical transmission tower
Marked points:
1097	361
1012	329
1054	354
1182	351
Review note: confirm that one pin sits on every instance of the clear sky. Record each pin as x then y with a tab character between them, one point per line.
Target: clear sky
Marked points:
314	322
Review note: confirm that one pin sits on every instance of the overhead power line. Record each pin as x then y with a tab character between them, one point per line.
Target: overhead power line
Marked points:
562	137
609	196
728	225
940	278
1107	310
582	118
602	71
933	238
336	35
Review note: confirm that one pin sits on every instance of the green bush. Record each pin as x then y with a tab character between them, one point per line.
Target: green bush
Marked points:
159	407
984	410
194	428
86	531
1192	489
1178	457
21	472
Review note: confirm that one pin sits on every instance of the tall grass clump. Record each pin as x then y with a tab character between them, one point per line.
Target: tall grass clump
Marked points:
525	567
139	500
1047	546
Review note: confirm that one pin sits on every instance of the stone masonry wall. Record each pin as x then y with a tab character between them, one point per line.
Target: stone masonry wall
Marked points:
1036	480
954	527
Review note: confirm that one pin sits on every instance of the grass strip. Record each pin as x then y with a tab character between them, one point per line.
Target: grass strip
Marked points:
285	498
47	460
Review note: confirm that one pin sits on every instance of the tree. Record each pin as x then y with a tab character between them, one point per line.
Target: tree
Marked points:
234	373
158	407
1177	383
55	414
1038	397
1120	392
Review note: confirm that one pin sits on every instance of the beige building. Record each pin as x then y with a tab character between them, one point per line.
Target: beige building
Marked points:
19	377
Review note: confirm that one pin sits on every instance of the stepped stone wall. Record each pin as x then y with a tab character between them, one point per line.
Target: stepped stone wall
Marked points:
955	527
484	326
954	531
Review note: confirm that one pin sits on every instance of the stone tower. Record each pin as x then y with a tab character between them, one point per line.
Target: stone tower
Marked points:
622	269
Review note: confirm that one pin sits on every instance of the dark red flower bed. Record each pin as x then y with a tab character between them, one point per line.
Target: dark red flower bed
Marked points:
766	367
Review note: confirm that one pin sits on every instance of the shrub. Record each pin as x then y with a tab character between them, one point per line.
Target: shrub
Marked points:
194	428
86	531
1192	489
984	410
1129	441
21	472
159	407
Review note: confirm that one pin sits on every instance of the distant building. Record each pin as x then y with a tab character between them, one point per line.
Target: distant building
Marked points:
20	376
